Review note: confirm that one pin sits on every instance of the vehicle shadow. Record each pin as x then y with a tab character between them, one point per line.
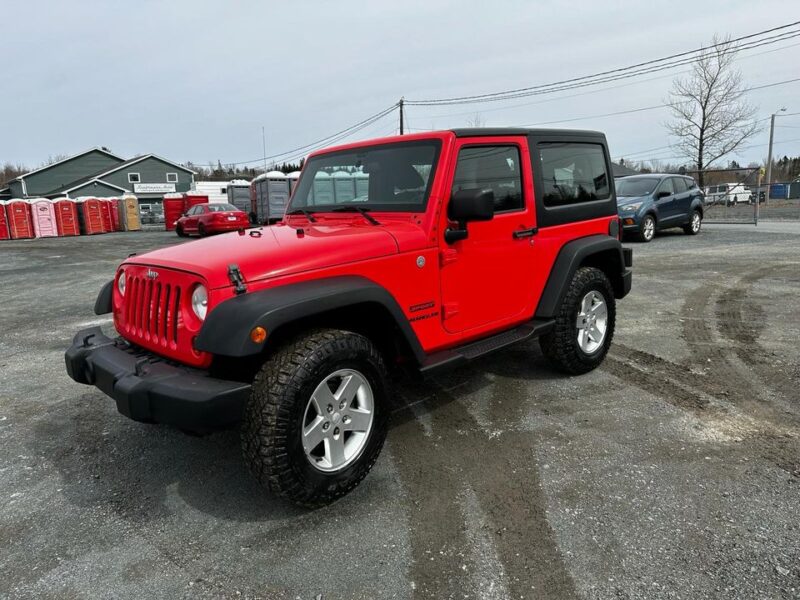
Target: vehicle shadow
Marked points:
144	472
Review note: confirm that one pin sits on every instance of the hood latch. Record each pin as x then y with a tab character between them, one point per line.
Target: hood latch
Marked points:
235	275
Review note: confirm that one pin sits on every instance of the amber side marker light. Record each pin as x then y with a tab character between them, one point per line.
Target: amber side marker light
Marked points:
258	335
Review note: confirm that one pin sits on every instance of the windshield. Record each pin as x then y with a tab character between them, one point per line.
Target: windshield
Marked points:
636	186
225	207
388	177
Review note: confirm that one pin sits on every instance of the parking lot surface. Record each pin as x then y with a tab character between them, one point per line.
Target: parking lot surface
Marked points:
673	471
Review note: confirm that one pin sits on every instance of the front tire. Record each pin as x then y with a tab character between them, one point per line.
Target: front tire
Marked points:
647	229
584	325
317	417
201	230
693	227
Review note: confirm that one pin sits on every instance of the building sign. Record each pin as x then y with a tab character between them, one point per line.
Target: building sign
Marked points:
153	188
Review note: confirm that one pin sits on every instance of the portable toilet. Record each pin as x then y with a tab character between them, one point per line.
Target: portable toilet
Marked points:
129	213
18	214
90	217
254	193
43	217
239	194
293	177
66	217
323	189
174	207
5	234
113	210
194	198
344	189
105	215
362	185
258	189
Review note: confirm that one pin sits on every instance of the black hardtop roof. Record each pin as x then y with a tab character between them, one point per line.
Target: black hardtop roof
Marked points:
499	131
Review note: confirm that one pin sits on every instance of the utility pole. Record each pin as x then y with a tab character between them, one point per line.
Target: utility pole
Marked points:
769	154
400	104
264	147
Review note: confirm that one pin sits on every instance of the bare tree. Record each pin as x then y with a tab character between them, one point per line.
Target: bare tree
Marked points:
711	117
476	121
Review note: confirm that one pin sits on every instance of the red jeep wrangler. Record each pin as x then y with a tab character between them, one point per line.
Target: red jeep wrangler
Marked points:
424	250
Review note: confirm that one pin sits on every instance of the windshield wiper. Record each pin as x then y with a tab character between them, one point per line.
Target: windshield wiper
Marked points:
309	214
358	209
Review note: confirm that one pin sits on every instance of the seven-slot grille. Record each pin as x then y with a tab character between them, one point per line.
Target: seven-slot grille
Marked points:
152	309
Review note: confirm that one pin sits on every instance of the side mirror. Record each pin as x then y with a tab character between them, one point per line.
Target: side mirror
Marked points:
662	194
468	205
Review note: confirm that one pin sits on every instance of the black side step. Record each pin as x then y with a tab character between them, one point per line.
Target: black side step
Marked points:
463	354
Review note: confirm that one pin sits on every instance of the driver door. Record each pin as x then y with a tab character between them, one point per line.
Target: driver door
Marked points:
666	205
483	280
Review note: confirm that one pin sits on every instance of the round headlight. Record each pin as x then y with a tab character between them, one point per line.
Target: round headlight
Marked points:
200	301
121	283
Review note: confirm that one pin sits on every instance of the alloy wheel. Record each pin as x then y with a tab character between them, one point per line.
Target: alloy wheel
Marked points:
592	322
338	420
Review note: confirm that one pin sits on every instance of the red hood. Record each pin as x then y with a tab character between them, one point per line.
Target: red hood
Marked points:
278	251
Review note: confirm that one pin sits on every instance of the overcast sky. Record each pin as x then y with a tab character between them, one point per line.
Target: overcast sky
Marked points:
195	80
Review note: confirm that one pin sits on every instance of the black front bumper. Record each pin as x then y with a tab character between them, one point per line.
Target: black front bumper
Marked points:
147	388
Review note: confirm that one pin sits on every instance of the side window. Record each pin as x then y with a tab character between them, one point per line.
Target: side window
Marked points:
680	184
193	211
666	186
690	184
573	173
495	168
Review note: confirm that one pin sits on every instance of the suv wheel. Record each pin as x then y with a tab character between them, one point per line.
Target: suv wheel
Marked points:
647	230
317	417
693	227
585	324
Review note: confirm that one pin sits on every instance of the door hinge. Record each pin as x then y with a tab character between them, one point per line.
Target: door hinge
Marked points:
447	256
449	310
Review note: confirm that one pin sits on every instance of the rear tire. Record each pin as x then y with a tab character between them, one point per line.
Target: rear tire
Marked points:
279	421
647	229
693	227
201	230
584	325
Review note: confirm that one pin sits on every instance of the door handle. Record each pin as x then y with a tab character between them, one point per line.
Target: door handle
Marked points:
523	233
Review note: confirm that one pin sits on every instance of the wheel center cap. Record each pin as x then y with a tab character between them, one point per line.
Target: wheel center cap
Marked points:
337	417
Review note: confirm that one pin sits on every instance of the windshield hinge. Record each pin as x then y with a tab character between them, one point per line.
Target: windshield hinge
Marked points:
235	275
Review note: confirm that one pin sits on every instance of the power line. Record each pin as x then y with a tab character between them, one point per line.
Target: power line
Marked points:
622	72
318	143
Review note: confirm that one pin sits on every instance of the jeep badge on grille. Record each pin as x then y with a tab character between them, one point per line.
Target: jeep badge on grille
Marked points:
151	274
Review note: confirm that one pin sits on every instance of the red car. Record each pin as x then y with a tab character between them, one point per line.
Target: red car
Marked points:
206	219
415	252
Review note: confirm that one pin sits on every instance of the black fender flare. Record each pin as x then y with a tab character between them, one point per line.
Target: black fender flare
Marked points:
570	257
102	306
226	330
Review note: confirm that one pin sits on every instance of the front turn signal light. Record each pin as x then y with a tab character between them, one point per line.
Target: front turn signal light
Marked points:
258	335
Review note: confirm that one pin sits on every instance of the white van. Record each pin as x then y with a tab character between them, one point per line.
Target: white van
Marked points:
727	194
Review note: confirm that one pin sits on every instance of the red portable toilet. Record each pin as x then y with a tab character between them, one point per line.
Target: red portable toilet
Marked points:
89	216
18	213
66	217
116	221
5	234
105	215
43	216
174	207
193	198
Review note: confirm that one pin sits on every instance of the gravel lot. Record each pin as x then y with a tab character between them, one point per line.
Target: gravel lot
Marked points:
671	472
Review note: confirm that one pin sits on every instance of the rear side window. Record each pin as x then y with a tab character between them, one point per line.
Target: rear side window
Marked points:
573	173
666	186
680	185
494	168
